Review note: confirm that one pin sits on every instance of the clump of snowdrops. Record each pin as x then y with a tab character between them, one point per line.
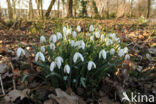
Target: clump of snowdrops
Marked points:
78	59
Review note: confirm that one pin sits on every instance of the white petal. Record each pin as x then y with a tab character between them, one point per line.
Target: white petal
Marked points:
74	34
102	37
42	49
42	56
125	50
67	69
127	57
59	35
53	38
79	28
121	52
112	51
52	66
42	39
91	28
52	46
20	51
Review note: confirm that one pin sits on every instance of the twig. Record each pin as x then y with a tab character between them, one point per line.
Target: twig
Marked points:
13	80
2	85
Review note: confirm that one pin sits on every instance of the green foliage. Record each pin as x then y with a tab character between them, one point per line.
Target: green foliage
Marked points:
142	20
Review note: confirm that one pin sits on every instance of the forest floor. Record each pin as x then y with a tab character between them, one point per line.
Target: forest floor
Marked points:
140	75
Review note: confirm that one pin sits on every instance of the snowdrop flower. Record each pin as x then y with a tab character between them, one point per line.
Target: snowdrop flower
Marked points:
108	42
112	51
97	34
126	50
78	28
92	37
59	61
127	57
67	69
52	46
42	49
76	56
52	66
20	51
121	52
72	42
112	35
64	30
74	34
40	56
81	44
91	28
69	31
90	65
103	54
42	39
53	38
102	37
59	35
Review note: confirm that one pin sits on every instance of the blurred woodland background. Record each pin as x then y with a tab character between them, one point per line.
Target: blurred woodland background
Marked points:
105	9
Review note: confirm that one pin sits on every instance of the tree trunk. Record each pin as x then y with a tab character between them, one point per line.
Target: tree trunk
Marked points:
107	8
30	9
10	10
38	7
69	8
117	6
49	8
58	8
14	9
41	5
131	11
148	8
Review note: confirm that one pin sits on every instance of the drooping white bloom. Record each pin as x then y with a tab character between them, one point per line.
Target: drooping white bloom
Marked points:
20	52
102	37
59	35
112	51
91	64
127	57
76	56
103	54
121	52
97	34
125	98
74	34
67	69
42	49
42	39
80	44
108	42
72	42
64	30
52	66
91	28
52	46
126	50
92	37
69	31
112	35
59	61
53	38
40	56
78	28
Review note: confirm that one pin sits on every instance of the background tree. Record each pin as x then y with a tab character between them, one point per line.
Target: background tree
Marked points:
148	8
30	10
49	8
70	8
10	12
